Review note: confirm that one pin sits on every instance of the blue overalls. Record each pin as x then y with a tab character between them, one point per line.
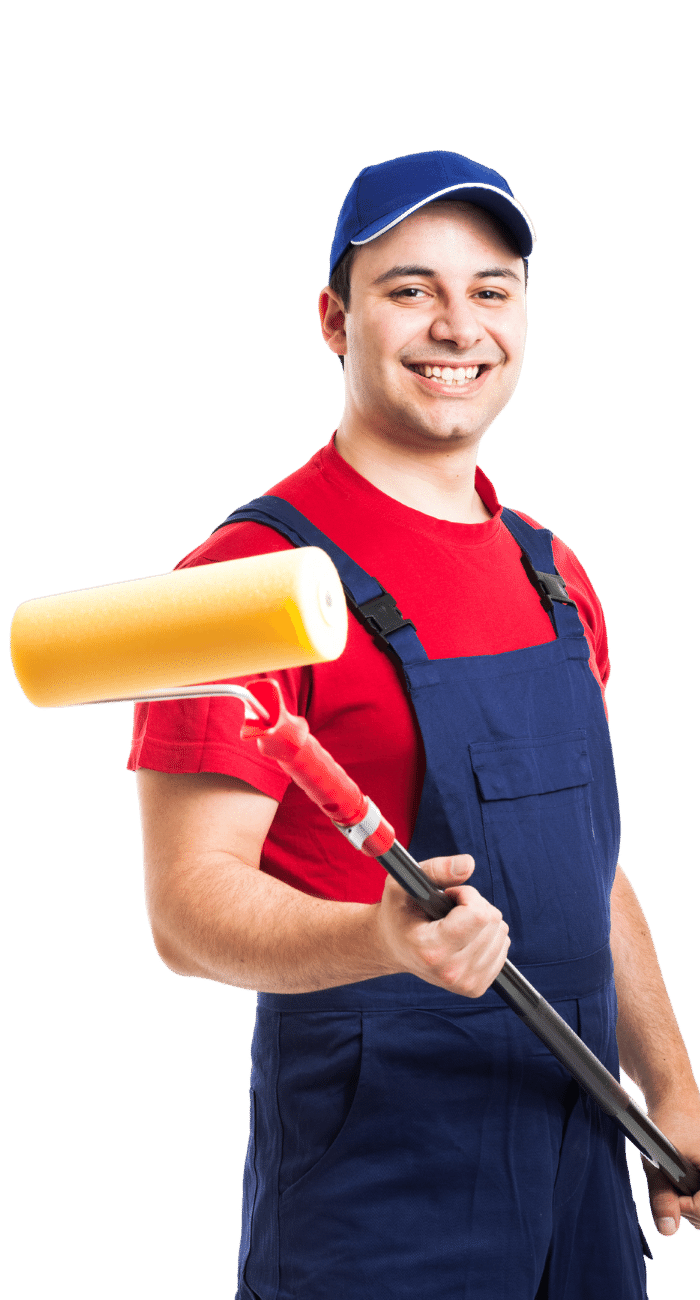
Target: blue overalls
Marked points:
411	1144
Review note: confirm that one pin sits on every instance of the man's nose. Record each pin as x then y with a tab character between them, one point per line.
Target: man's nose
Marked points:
456	322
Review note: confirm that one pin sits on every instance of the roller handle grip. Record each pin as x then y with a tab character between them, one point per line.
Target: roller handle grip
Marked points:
287	739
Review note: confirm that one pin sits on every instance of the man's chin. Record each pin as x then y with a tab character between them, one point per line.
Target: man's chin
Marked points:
412	431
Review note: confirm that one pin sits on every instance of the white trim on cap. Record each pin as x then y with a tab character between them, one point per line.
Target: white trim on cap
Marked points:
467	185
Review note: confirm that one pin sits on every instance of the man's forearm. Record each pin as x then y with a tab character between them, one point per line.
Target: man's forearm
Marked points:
229	922
215	914
652	1051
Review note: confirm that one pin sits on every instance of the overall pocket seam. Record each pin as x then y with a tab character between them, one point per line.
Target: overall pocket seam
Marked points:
500	781
352	1108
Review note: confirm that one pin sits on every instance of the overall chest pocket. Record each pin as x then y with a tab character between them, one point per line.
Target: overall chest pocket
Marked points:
546	869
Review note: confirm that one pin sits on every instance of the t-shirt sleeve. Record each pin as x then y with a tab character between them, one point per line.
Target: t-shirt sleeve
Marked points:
204	735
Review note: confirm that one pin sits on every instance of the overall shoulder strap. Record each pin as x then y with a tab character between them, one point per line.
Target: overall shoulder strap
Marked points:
374	607
538	561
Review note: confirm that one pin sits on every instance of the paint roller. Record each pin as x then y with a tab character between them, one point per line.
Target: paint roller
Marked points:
160	638
153	636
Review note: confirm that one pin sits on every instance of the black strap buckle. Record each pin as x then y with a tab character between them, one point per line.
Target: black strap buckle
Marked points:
380	615
550	586
553	586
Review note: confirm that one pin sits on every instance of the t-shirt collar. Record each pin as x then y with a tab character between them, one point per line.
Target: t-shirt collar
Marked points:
344	476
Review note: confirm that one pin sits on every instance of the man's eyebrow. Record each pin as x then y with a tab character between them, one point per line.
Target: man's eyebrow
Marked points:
497	270
397	272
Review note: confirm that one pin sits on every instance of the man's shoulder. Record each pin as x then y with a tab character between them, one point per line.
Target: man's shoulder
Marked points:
234	542
563	554
581	590
528	519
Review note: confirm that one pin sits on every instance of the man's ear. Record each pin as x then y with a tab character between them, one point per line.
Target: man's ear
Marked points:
332	313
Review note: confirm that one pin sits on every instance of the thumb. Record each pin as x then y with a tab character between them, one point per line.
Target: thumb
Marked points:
449	871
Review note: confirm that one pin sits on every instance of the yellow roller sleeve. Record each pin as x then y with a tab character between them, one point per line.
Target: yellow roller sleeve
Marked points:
194	625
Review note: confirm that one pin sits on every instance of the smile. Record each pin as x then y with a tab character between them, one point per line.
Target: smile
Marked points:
458	376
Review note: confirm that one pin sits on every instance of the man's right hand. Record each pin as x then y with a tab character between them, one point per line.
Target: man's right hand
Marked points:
463	951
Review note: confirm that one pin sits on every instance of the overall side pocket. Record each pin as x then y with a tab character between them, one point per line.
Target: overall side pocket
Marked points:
320	1064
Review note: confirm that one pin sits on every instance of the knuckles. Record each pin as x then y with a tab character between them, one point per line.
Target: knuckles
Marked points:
462	952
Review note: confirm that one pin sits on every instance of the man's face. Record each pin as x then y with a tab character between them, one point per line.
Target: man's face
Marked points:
440	290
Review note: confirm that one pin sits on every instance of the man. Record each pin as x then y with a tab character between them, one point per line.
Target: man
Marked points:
409	1137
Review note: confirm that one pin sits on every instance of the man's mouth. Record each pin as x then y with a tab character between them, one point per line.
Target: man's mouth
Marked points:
458	376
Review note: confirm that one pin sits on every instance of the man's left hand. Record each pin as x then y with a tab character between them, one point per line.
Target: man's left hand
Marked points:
682	1127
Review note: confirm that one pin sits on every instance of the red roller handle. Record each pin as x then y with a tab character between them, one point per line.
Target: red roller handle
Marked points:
287	739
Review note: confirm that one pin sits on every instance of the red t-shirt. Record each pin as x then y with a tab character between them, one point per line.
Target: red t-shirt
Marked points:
466	591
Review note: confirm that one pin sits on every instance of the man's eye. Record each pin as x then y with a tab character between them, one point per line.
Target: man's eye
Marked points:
411	291
490	294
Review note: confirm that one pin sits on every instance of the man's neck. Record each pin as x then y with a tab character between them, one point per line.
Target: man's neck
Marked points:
438	483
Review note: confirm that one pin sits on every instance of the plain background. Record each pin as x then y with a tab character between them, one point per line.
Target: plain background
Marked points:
172	176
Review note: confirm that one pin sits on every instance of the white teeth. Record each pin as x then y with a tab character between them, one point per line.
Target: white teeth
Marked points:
449	376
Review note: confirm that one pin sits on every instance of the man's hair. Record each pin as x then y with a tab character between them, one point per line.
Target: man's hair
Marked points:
340	279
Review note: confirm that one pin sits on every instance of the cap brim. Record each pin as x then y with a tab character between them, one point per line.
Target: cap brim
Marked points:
506	209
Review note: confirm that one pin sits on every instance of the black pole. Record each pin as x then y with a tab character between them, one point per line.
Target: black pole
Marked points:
559	1037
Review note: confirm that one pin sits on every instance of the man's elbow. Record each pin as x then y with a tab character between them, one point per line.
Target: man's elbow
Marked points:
171	954
170	930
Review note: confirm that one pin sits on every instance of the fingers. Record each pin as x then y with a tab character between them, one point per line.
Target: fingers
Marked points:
463	951
470	945
664	1201
689	1207
667	1206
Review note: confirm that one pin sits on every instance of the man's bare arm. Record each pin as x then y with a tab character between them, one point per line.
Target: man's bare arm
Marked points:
652	1051
214	914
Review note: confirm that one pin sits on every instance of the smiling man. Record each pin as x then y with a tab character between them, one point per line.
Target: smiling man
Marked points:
409	1137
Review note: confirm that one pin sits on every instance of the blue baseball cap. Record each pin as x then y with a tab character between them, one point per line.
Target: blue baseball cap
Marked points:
383	195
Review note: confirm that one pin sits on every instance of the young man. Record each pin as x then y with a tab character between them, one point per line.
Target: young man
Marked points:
410	1138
